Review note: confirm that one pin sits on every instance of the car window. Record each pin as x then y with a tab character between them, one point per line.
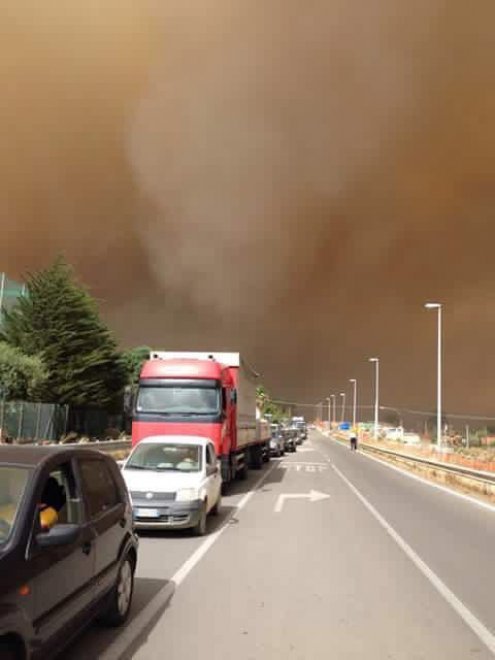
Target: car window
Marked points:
13	482
166	456
99	486
60	500
210	455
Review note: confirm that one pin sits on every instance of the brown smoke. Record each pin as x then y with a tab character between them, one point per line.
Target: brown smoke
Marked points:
293	181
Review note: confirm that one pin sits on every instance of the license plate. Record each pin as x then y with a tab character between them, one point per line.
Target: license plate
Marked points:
147	513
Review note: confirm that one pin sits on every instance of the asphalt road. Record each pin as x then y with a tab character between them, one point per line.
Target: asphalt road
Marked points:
359	561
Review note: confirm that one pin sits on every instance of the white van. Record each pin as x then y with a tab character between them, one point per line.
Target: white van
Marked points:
174	482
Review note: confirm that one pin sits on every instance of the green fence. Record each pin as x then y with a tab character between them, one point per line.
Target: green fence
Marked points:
30	422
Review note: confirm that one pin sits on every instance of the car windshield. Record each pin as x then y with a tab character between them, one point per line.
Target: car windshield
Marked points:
169	456
12	485
179	400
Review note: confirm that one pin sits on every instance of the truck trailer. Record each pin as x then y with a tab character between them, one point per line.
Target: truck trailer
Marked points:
212	395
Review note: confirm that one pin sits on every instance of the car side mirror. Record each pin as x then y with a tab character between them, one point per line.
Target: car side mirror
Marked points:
211	469
58	535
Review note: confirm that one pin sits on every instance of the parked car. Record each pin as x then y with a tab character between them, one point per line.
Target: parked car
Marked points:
290	437
174	482
396	433
411	439
277	444
68	551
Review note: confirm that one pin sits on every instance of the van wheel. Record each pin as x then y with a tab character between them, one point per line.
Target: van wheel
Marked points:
7	652
120	598
216	509
199	528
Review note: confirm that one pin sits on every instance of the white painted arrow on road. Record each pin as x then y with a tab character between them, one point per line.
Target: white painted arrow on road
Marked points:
312	496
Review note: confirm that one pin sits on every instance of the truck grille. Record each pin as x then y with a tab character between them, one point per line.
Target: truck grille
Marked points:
155	497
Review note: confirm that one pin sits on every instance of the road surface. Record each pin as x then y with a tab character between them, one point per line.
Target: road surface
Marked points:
333	555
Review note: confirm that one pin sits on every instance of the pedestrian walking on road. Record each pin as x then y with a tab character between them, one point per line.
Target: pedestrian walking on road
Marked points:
353	442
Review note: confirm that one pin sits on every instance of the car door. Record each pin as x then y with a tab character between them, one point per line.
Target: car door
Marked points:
213	476
107	511
62	585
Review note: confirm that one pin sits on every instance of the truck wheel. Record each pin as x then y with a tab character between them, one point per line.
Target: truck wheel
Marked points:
257	458
120	598
200	528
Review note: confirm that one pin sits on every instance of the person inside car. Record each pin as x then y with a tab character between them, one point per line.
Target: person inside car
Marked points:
53	500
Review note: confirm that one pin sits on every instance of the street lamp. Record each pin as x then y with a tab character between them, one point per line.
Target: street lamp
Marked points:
438	307
334	404
329	412
377	393
354	402
342	394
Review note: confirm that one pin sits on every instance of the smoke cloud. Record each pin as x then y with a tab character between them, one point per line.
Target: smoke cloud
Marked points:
291	182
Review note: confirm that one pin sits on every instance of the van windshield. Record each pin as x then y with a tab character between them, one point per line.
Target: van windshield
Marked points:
13	482
165	456
179	400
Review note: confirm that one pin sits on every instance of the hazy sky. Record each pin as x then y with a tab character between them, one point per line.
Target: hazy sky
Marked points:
290	181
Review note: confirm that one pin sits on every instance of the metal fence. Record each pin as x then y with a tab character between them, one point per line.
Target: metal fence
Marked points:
29	422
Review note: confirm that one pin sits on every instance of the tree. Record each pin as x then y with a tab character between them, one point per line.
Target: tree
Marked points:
269	408
132	361
21	376
58	321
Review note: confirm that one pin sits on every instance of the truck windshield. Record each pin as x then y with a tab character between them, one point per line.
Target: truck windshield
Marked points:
12	485
169	456
179	400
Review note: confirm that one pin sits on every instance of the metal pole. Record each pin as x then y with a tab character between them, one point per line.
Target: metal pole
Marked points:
342	394
377	397
438	307
377	393
354	402
467	436
329	413
334	409
439	379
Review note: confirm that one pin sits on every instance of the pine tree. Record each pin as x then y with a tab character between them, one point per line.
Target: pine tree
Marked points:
58	321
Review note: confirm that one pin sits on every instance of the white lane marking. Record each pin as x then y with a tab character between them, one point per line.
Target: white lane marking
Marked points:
137	625
303	450
304	467
423	480
181	574
312	496
480	630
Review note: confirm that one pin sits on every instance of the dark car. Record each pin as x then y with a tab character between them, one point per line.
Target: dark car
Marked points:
68	551
290	439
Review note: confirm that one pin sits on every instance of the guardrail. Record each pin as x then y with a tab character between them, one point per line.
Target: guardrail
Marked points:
106	446
459	470
487	478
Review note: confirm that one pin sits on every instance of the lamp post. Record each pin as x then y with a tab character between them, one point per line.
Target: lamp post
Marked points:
329	400
342	394
438	307
354	402
334	406
377	393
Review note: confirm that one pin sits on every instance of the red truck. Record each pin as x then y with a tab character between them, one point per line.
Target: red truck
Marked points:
207	394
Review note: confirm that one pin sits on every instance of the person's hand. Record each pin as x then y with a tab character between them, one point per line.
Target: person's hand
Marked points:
48	518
